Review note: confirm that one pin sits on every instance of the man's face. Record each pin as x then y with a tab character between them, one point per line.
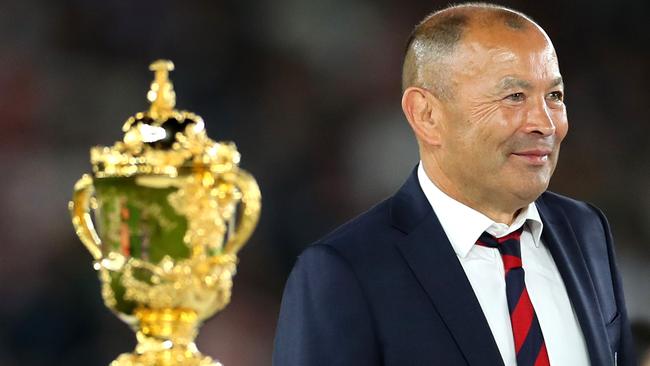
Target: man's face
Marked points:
506	119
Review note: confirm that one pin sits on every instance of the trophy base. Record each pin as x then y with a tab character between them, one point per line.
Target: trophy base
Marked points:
165	358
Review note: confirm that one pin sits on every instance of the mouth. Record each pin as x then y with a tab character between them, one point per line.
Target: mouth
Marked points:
536	157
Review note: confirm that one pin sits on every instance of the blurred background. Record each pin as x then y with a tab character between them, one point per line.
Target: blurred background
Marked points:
310	92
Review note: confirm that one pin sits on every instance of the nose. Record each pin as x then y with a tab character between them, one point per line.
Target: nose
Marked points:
540	119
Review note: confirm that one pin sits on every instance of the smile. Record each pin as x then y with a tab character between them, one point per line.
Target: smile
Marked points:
534	157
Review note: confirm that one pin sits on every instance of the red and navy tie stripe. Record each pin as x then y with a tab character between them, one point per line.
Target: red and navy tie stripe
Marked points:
529	341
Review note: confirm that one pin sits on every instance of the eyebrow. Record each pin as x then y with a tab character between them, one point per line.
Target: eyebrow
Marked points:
510	82
557	82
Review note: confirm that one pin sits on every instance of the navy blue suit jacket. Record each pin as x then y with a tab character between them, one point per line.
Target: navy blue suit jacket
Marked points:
387	289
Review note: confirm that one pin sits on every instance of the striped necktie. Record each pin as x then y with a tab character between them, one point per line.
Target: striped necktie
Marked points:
529	341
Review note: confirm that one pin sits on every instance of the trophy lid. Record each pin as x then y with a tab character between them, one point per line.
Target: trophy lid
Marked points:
163	140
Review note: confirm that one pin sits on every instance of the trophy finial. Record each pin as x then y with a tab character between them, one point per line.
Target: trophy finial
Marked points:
161	94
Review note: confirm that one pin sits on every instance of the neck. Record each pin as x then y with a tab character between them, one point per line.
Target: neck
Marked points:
497	211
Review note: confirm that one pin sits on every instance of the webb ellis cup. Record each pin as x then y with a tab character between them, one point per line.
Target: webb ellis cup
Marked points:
172	209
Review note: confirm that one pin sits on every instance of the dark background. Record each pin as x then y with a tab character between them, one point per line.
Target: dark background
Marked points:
310	93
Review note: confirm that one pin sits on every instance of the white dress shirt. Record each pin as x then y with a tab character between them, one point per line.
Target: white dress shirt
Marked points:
484	270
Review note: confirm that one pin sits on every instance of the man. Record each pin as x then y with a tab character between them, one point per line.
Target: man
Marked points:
471	262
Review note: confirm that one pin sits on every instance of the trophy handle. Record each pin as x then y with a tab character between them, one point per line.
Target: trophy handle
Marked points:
249	211
80	212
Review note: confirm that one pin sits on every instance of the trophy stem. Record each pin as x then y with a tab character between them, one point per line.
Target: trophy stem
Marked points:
178	327
165	338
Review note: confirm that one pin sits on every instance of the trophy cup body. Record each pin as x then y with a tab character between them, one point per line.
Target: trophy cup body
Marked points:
172	209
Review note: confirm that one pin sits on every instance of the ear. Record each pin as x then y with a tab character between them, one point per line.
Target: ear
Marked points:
423	112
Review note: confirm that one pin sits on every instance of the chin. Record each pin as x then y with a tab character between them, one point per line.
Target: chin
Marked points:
528	191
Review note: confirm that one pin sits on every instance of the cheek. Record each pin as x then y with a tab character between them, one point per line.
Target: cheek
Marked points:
481	123
561	127
494	124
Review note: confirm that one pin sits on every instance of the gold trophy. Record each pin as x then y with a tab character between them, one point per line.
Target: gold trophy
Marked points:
172	209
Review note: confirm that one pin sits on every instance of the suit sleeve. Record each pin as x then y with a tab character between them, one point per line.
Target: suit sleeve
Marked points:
324	318
626	355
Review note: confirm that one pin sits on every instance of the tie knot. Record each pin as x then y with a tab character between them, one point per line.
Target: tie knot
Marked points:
508	246
488	240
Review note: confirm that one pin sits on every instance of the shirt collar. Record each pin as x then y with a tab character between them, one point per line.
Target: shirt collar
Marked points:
463	225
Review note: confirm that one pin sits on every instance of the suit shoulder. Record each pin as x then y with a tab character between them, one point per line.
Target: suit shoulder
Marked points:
572	207
360	231
584	217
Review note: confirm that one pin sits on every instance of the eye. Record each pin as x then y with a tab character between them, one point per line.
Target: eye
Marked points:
556	96
516	97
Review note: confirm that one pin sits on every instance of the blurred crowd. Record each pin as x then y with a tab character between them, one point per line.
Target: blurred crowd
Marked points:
310	92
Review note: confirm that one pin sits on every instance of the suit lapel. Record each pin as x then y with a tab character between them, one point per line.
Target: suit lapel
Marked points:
430	256
561	242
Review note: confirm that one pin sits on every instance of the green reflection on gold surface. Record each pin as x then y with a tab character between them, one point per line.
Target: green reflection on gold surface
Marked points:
138	221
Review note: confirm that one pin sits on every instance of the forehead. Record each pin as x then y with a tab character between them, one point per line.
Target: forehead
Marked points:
491	52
